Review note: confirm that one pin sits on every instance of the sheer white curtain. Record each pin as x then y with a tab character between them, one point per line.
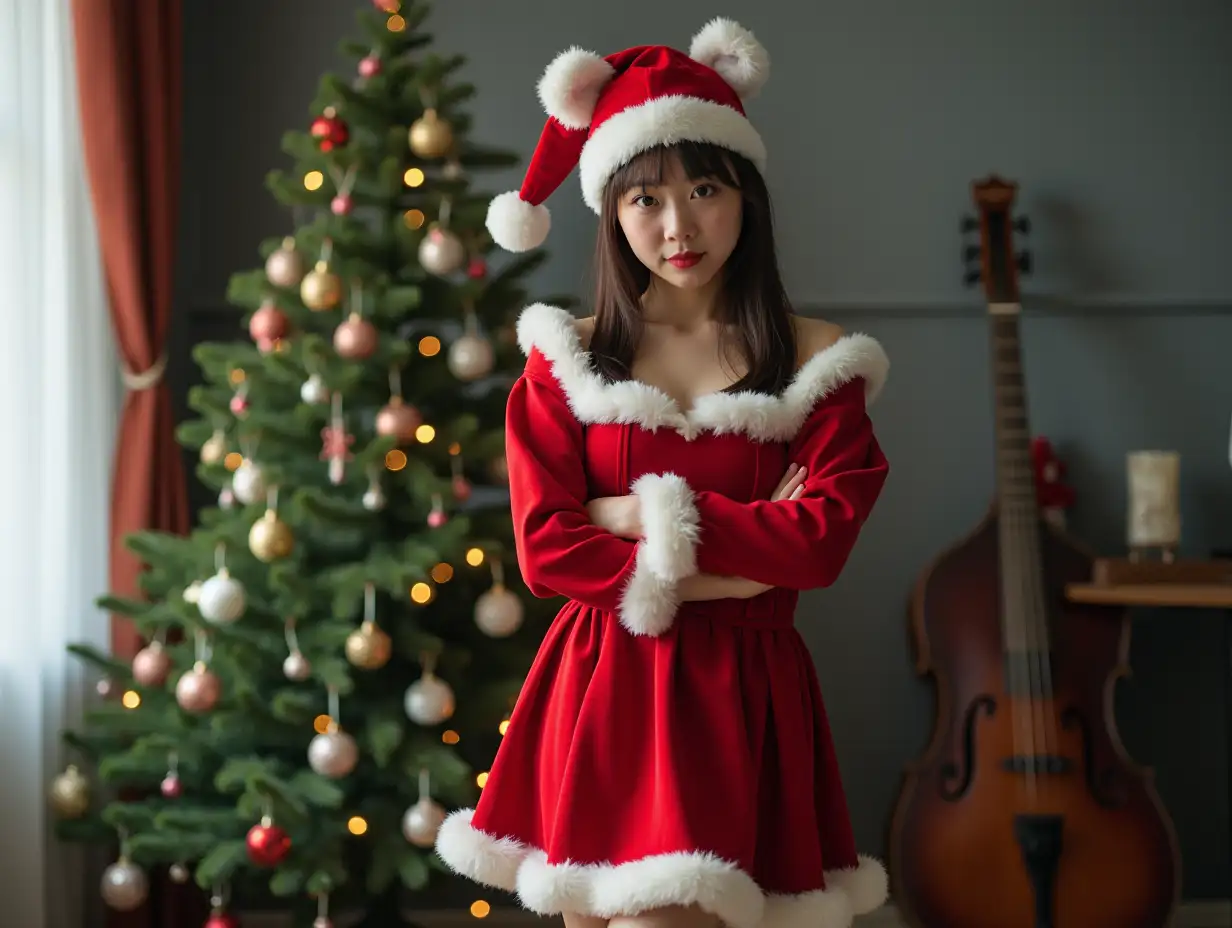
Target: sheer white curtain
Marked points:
59	396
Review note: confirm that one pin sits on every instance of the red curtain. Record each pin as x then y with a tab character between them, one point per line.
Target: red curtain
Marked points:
128	76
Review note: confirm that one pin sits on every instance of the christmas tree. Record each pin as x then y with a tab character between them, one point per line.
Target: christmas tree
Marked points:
333	650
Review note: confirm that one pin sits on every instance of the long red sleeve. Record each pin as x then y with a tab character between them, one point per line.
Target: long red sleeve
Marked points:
804	543
561	552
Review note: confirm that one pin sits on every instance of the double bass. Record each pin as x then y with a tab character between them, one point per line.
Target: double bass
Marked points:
1024	810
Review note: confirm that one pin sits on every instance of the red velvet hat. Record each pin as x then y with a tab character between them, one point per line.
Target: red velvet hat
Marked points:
603	111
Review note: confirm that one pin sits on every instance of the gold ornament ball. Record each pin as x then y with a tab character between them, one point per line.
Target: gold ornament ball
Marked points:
215	448
70	793
441	252
270	538
198	690
152	665
431	136
285	266
321	289
368	647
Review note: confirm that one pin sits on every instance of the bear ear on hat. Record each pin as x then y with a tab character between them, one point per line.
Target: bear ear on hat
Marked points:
732	51
570	86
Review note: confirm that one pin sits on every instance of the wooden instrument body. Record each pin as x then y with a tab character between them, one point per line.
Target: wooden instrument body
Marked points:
957	862
1025	810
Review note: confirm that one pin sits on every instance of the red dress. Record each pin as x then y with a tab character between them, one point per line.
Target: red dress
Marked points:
664	752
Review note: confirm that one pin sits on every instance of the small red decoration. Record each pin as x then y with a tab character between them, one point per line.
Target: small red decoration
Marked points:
268	845
329	130
477	269
461	489
1053	494
222	920
239	404
369	66
340	205
171	786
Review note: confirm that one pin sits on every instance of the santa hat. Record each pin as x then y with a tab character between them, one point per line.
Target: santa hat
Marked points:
604	111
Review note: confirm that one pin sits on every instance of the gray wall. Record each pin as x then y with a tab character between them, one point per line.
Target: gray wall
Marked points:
1113	116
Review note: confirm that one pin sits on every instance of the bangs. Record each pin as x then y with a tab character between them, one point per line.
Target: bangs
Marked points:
698	160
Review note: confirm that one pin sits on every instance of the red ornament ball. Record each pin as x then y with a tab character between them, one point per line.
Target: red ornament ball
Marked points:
477	269
268	323
329	130
370	66
340	205
461	489
268	845
171	786
437	518
356	338
239	405
222	920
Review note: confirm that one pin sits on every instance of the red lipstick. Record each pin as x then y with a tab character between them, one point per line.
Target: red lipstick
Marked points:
685	259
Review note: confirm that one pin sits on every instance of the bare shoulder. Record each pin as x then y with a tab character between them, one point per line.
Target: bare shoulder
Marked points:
814	336
585	328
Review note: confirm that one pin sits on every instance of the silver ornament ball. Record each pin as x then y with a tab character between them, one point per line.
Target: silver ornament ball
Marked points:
333	754
429	700
441	252
313	390
248	483
470	357
296	666
374	499
422	821
124	886
498	612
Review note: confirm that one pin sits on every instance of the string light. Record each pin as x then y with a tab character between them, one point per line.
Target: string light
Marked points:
395	460
482	779
425	433
450	737
480	908
233	460
421	593
413	177
429	346
357	825
395	23
504	727
131	699
313	180
321	724
442	573
474	556
414	218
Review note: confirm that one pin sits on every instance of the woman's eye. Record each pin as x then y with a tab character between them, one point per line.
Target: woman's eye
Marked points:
644	200
705	190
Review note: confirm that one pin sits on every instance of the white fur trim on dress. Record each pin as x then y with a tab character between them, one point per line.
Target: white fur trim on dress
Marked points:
516	225
648	603
683	878
762	417
662	121
570	86
733	51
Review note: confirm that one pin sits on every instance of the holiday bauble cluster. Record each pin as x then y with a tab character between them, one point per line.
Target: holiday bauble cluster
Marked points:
430	136
285	266
441	252
124	886
321	288
329	130
429	700
70	793
369	647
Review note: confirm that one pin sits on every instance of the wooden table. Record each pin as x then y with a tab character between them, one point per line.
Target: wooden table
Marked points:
1192	585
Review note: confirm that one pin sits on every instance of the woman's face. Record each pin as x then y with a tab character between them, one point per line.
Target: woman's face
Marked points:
683	229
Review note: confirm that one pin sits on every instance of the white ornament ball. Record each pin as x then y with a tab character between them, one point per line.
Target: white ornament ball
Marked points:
441	252
226	498
333	754
429	700
498	612
470	357
178	873
296	666
422	821
124	886
374	499
314	390
248	483
222	599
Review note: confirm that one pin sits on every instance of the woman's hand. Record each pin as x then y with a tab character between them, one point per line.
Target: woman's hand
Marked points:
792	484
620	515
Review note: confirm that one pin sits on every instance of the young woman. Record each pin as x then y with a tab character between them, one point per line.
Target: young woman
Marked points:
682	464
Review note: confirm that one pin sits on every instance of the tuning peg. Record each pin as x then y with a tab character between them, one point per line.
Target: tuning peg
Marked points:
971	278
970	224
1024	262
1022	224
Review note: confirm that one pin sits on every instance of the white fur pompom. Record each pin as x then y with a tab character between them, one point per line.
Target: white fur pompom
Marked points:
516	225
733	51
571	84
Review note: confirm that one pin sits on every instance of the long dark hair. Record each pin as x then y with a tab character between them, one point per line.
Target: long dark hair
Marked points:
754	306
